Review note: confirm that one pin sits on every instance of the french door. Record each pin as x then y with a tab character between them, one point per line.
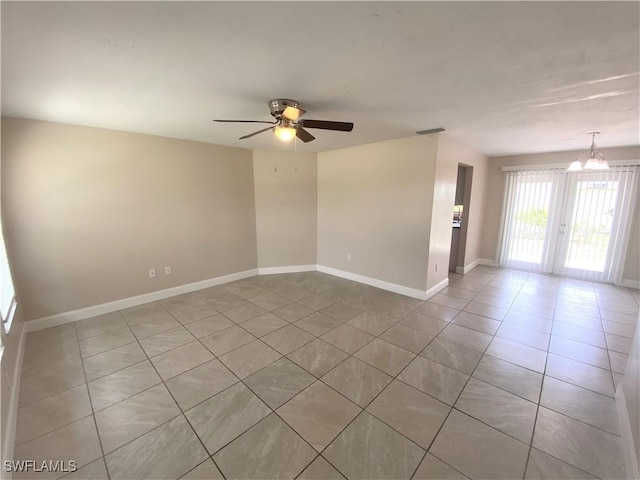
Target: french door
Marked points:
573	224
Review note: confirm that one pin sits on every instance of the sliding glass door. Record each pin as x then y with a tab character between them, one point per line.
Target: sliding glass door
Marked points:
572	224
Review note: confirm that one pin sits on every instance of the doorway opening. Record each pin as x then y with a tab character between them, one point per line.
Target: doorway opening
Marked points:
461	211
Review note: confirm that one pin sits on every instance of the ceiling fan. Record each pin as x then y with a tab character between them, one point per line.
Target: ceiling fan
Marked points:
288	123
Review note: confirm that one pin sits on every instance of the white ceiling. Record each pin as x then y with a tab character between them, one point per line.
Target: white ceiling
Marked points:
502	77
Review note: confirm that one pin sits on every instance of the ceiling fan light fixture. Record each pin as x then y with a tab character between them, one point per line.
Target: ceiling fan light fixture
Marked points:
292	113
285	133
287	124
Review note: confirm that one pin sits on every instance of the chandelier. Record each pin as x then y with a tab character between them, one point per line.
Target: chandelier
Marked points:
594	161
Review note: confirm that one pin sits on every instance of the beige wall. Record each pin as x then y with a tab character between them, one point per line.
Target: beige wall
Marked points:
495	193
88	211
444	196
286	208
450	154
375	203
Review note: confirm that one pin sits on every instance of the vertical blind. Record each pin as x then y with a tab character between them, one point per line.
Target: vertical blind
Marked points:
575	224
531	198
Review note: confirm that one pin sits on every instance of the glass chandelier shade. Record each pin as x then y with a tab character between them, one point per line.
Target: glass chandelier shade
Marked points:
593	161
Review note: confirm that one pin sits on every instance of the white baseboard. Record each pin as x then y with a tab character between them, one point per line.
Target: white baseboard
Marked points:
436	288
9	436
628	448
374	282
489	262
289	269
630	284
480	261
88	312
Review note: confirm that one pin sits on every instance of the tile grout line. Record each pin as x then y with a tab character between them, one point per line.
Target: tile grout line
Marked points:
364	409
162	381
181	413
259	421
137	340
452	407
460	394
538	405
252	391
535	420
318	379
564	414
93	413
273	411
396	322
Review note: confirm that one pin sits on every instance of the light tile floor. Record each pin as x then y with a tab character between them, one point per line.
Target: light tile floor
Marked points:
503	374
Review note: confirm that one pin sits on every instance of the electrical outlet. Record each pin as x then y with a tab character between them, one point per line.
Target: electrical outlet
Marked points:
348	257
436	267
167	270
152	273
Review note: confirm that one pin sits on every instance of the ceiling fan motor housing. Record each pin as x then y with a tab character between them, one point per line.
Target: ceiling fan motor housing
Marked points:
278	105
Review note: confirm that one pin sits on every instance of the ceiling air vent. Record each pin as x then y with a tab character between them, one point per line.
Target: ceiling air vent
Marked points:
433	130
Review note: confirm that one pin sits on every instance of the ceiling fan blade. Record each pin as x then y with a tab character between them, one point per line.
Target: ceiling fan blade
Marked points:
245	121
303	135
256	133
292	113
328	125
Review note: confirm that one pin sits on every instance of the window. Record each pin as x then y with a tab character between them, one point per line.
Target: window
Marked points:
7	291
